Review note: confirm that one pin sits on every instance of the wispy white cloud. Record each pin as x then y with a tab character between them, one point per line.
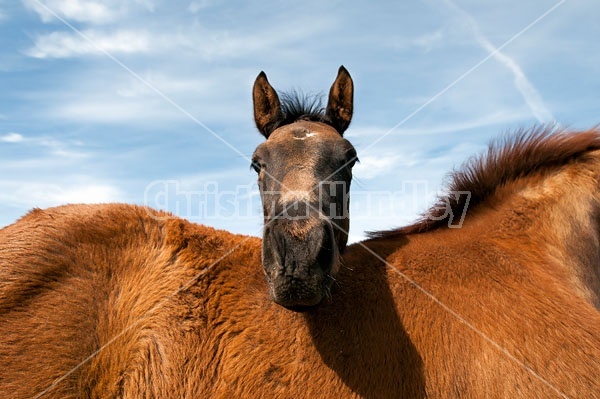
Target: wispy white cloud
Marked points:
150	5
50	145
426	42
529	93
198	5
134	88
111	110
70	44
12	137
371	167
87	193
41	194
95	12
501	117
128	103
96	42
49	170
198	40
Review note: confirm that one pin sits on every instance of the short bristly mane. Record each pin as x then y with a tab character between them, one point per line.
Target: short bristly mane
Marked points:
525	153
297	106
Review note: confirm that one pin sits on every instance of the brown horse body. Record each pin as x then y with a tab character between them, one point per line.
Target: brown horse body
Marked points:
167	309
110	301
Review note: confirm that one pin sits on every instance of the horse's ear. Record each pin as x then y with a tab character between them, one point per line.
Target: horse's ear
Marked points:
340	104
267	109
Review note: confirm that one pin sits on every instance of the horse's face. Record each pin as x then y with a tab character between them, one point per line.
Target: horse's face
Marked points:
304	171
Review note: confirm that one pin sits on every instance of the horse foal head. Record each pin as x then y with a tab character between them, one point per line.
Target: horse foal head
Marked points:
304	170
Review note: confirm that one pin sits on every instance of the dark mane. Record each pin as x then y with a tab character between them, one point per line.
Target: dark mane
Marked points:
297	106
507	159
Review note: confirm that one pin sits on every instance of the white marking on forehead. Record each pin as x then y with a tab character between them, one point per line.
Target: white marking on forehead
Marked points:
303	135
295	196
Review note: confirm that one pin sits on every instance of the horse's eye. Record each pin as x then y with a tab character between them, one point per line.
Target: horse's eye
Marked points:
352	161
351	158
256	166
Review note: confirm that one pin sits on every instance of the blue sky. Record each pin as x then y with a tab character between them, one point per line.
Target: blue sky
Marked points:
133	116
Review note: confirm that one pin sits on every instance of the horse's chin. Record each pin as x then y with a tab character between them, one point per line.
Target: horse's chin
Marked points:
298	304
297	300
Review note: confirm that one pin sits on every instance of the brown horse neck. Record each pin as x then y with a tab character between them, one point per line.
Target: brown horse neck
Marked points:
550	216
